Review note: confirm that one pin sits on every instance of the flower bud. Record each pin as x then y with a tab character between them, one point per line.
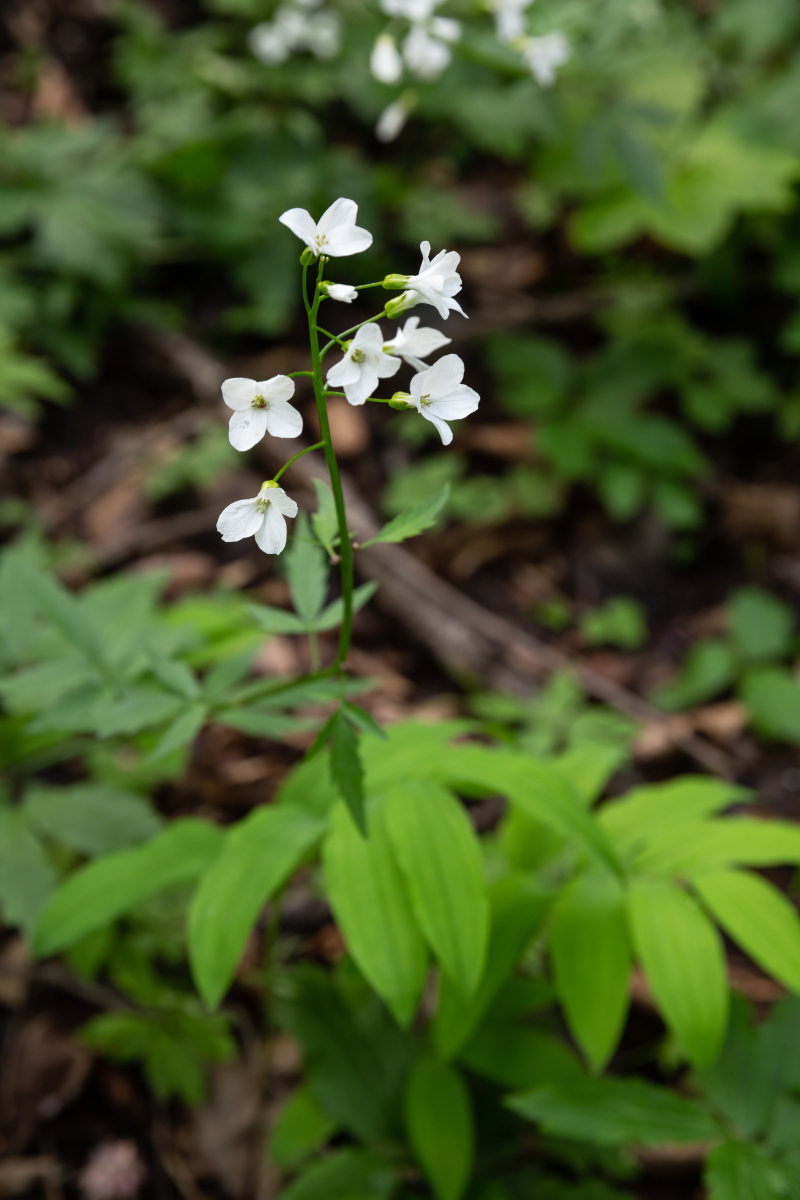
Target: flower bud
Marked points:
398	304
307	257
269	483
400	400
395	281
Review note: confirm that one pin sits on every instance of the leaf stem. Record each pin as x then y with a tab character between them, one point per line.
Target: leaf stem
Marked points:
294	374
345	545
354	328
308	449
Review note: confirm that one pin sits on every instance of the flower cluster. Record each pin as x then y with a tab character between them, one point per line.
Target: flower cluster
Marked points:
301	25
436	392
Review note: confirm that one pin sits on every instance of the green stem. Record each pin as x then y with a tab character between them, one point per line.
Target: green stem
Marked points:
294	374
308	449
332	343
345	546
329	335
362	286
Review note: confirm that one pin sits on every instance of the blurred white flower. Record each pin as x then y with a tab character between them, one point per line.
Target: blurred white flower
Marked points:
363	365
436	283
413	344
260	408
544	55
509	18
412	10
340	291
296	27
445	28
425	55
439	395
336	232
391	121
263	517
385	62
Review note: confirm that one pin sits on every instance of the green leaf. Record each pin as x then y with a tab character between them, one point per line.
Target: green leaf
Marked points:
772	696
703	845
757	916
619	622
440	856
738	1171
112	885
27	878
306	570
56	603
181	732
301	1127
324	521
518	905
370	901
92	818
760	624
346	770
441	1126
647	811
363	720
345	1175
516	1056
276	620
140	707
709	669
684	961
411	522
333	613
614	1112
175	675
587	766
591	956
258	855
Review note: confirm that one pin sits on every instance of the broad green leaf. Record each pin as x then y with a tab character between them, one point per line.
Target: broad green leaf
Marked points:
309	785
440	857
346	770
518	904
591	955
372	908
760	624
300	1129
181	732
345	1175
757	916
103	890
587	767
441	1126
772	696
616	1111
535	787
27	878
92	818
324	521
333	613
684	961
411	522
701	845
306	570
709	668
647	811
738	1171
258	855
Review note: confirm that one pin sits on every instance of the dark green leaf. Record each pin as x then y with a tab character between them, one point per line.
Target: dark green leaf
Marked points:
300	1129
441	1126
346	770
772	695
760	624
737	1171
709	669
346	1175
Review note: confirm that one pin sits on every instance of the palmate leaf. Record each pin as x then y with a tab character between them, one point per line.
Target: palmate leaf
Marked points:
414	520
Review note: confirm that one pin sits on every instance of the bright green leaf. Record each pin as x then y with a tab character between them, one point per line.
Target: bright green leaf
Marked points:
441	1126
414	520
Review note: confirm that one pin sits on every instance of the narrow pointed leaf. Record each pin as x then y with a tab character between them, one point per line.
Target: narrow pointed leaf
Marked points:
324	521
411	522
307	571
441	1126
346	770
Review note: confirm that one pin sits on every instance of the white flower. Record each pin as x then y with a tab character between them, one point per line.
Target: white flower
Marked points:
363	365
508	18
263	517
414	344
336	232
412	10
439	395
260	408
323	34
294	29
445	28
385	62
341	291
391	122
437	282
426	56
544	55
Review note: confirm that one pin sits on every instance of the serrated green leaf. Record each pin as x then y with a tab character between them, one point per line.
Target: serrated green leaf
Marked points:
684	962
441	1126
440	857
411	522
363	720
591	956
258	855
373	910
757	916
114	884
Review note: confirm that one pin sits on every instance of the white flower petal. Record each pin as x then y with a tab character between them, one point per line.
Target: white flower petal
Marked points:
387	366
445	432
239	520
280	387
348	239
343	373
238	393
283	419
342	292
369	339
357	393
443	377
300	222
341	212
247	427
271	536
385	62
283	503
461	403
